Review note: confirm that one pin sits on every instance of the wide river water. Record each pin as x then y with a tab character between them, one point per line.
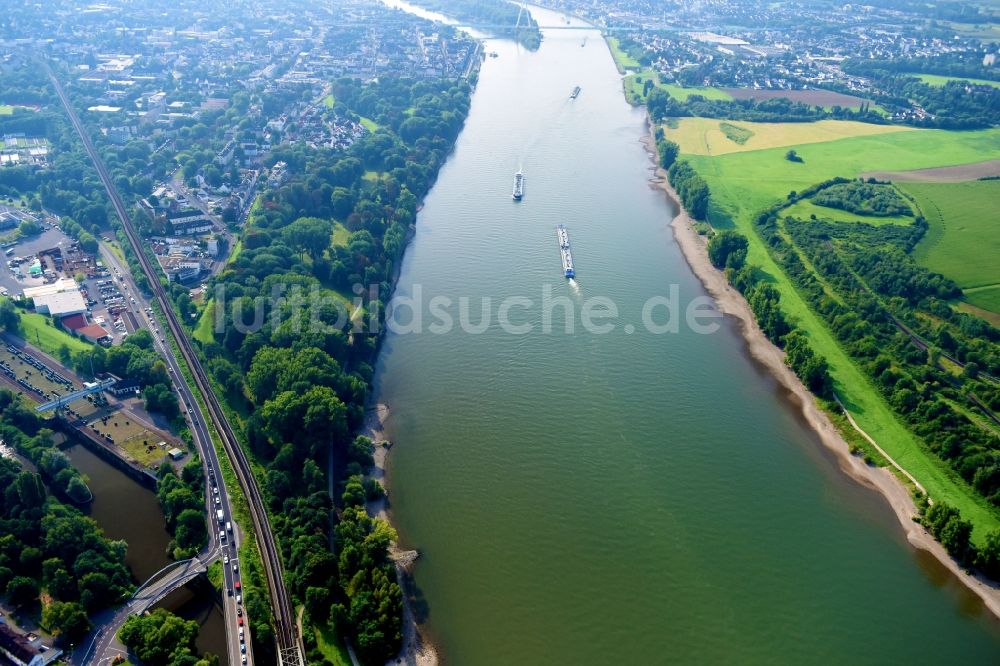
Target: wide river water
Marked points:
637	497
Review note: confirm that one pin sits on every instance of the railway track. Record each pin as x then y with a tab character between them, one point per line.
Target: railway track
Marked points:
286	635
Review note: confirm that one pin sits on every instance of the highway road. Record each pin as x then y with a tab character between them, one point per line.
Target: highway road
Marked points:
288	645
218	497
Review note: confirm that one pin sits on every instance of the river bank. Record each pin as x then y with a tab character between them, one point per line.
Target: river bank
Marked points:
416	650
730	302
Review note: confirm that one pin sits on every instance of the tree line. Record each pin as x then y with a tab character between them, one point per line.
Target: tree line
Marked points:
182	498
49	550
874	297
692	188
301	379
954	105
661	104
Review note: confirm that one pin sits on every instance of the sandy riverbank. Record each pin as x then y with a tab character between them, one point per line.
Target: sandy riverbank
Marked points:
416	649
730	302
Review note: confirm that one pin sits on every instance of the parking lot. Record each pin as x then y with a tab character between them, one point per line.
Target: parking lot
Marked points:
48	239
122	422
108	300
107	297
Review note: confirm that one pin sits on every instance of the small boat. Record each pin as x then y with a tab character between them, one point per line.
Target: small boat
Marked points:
518	186
576	91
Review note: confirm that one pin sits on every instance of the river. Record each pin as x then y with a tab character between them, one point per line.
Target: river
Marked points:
127	510
623	497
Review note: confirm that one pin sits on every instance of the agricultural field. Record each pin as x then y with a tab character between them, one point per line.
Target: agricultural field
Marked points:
824	98
744	181
706	136
936	80
963	236
952	174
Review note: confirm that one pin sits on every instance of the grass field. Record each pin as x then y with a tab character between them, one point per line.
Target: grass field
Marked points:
38	332
369	124
743	183
803	209
703	136
963	236
635	83
623	60
6	110
203	331
736	133
329	101
936	80
332	649
340	235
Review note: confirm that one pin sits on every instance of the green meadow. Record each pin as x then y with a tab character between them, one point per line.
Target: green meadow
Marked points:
936	80
744	183
963	236
806	209
38	330
622	59
635	84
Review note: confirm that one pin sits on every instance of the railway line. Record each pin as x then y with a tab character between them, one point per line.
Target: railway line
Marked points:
288	643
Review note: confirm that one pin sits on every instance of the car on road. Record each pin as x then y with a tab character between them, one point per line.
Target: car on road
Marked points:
239	621
225	559
239	611
236	566
239	600
244	660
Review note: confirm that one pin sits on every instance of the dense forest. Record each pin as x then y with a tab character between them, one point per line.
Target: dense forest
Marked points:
182	498
954	105
335	231
962	64
872	199
50	553
161	638
777	109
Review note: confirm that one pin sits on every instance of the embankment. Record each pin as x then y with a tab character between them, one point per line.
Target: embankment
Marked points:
730	302
416	650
